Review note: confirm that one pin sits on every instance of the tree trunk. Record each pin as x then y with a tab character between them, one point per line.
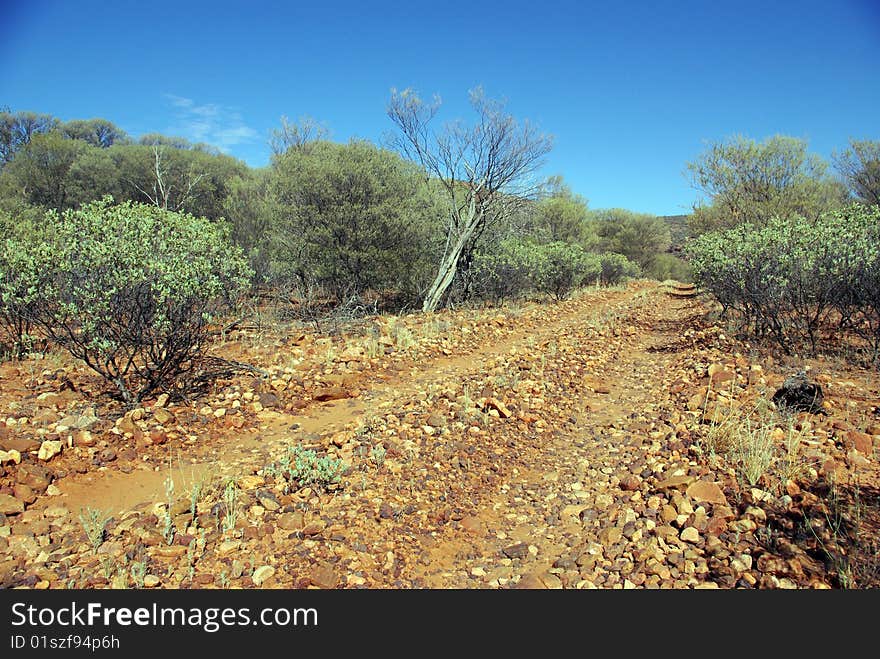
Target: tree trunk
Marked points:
448	266
444	278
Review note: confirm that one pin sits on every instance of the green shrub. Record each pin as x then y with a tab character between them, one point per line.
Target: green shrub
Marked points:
23	277
130	289
793	277
505	271
616	268
669	266
303	468
561	267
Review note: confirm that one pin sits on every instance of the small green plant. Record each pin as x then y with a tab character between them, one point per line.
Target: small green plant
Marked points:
138	572
304	468
230	503
194	495
168	529
94	523
467	405
403	338
194	551
753	451
378	455
372	347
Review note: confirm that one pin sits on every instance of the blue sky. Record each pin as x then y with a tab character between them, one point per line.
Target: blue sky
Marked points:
631	91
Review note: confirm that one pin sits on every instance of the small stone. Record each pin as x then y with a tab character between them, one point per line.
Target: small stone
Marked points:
11	455
84	438
151	581
48	450
314	528
742	526
630	483
519	550
10	505
161	401
861	442
323	576
262	574
707	492
163	416
610	536
219	412
53	491
290	521
691	535
228	546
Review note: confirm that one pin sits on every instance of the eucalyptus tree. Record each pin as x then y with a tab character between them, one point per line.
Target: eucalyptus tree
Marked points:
484	169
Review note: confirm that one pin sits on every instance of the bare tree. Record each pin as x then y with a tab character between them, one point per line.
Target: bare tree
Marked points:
482	168
163	193
859	165
296	134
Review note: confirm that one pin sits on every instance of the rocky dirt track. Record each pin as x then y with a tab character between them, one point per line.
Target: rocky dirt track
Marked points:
571	445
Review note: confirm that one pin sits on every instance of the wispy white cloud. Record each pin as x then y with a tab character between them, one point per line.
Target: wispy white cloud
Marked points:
214	124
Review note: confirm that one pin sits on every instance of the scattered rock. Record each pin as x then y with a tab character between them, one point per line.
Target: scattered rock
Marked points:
861	442
519	550
262	574
797	393
690	534
10	505
48	450
11	455
323	576
290	521
330	393
707	492
630	483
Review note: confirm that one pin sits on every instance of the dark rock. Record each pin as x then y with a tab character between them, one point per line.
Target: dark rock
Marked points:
519	550
798	394
35	476
630	483
269	399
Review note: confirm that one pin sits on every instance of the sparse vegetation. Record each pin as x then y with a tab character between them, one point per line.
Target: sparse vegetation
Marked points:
302	467
94	523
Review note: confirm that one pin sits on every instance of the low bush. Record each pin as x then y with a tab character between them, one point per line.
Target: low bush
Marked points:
616	268
506	271
561	267
131	289
795	280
